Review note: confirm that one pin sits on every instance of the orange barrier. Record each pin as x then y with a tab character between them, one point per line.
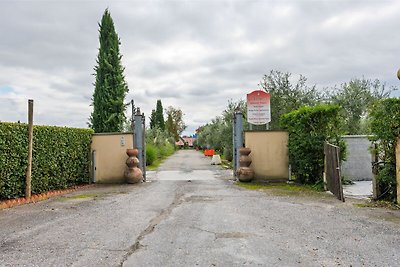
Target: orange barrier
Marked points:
209	152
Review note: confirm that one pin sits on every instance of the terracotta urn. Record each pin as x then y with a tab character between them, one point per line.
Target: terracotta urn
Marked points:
133	175
244	161
132	162
244	151
245	174
132	152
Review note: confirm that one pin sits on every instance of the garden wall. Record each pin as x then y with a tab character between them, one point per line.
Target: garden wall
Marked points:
60	158
357	166
269	154
109	156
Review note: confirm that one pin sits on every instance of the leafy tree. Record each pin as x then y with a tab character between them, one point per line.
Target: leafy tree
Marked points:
285	96
355	98
153	119
159	116
175	124
110	86
218	133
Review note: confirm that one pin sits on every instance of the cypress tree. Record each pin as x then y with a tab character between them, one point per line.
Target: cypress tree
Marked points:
110	86
153	119
160	116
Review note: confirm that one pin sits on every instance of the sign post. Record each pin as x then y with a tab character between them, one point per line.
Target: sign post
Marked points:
258	108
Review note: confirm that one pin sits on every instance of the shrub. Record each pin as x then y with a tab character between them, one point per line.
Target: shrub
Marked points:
385	125
228	153
151	154
60	158
309	128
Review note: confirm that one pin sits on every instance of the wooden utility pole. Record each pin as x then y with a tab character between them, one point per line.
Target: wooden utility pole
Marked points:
30	141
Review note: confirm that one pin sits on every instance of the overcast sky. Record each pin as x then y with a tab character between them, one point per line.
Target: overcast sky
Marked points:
194	55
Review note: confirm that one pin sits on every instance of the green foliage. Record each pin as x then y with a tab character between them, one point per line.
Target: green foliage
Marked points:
159	145
110	86
175	124
167	150
285	96
151	154
309	128
385	126
159	116
228	153
218	133
355	98
153	119
60	158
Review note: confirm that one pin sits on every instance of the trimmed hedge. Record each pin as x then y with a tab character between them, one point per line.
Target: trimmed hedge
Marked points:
384	120
60	158
309	128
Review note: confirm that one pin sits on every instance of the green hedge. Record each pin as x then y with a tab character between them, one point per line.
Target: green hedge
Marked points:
384	120
60	158
309	128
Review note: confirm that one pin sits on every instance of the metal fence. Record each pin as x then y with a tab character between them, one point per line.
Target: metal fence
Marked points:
332	170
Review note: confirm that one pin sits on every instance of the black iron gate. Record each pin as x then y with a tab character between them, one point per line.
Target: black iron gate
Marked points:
332	170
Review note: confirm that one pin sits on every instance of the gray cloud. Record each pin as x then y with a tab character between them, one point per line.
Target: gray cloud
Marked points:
195	55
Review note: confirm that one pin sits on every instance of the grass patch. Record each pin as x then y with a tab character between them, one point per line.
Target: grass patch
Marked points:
155	165
283	189
158	162
378	204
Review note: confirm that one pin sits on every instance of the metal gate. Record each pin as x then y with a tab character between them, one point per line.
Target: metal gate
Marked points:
332	170
237	139
139	131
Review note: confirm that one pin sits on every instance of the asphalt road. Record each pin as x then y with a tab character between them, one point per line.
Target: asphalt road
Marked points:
191	214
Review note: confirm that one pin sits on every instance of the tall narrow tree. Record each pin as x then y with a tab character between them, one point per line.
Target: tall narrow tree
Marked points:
110	86
153	119
160	123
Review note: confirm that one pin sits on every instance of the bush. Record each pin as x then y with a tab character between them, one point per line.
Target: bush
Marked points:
385	125
151	154
309	128
228	153
167	150
60	158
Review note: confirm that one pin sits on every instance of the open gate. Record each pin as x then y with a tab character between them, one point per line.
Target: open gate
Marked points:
332	170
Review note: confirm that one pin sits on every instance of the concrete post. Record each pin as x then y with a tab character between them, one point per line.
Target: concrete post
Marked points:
139	137
237	139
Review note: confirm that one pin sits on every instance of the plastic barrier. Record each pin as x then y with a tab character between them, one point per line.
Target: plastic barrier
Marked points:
209	152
